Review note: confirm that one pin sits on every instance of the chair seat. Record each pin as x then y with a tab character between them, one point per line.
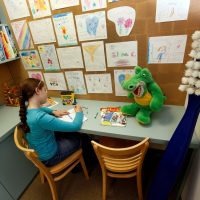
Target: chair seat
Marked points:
65	163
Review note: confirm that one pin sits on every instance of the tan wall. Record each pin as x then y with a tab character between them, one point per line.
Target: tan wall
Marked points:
168	76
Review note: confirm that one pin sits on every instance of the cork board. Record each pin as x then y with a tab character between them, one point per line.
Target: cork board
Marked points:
168	76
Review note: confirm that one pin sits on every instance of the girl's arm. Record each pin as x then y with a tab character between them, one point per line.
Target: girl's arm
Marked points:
47	110
49	122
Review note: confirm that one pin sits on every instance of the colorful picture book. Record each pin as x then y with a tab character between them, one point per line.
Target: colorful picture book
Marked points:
50	103
111	116
7	46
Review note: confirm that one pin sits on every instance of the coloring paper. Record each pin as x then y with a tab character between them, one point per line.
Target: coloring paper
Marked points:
98	83
94	56
172	10
122	54
30	59
55	81
166	49
16	9
110	1
36	74
39	8
57	4
124	19
120	76
91	26
42	31
49	57
65	29
93	4
75	82
22	34
70	57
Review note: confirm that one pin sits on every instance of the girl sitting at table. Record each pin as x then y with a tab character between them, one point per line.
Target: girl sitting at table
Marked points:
41	123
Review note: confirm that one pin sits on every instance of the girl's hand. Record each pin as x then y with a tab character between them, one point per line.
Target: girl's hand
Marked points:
78	108
60	113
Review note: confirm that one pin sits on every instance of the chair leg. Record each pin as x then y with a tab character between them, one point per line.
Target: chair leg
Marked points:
53	188
104	185
139	186
84	167
42	177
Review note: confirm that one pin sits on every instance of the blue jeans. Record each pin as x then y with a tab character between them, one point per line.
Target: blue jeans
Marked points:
67	143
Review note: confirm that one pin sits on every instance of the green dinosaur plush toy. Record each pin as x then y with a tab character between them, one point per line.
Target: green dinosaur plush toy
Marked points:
146	94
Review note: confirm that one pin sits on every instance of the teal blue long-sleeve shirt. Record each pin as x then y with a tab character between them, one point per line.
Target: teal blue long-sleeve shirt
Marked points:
42	125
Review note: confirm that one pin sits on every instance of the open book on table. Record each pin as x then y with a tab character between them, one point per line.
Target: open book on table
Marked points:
111	116
70	117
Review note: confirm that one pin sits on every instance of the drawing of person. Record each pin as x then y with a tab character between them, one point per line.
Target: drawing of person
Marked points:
161	52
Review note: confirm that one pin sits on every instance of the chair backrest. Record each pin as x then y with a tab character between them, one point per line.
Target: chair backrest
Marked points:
21	143
121	160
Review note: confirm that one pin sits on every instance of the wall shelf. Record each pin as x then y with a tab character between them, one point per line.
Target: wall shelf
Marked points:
9	60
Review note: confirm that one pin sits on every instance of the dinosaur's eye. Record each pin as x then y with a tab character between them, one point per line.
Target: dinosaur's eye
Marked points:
144	75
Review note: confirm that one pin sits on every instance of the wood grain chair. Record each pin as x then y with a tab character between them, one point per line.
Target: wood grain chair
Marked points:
121	163
54	173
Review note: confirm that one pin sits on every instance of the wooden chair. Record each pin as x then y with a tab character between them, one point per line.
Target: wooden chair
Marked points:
54	173
121	163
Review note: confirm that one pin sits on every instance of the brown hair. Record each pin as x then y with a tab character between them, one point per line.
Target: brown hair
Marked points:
27	90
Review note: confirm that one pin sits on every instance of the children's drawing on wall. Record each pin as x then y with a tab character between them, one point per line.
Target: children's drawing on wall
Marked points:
30	59
124	19
36	74
98	83
55	81
122	54
65	29
16	9
172	10
75	82
2	53
39	8
91	26
42	31
166	49
70	57
49	57
58	4
93	4
22	34
120	76
94	56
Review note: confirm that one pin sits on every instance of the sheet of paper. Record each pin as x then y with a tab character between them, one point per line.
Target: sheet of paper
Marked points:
36	74
42	31
120	76
91	26
166	49
71	116
22	34
93	4
55	81
30	59
94	56
16	9
122	54
57	4
172	10
110	1
75	82
40	8
98	83
65	29
70	57
49	57
124	18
